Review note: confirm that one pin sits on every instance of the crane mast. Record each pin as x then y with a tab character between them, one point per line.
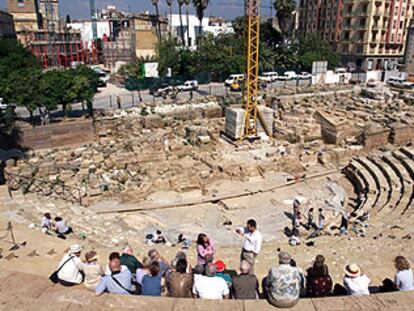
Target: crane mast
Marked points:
251	88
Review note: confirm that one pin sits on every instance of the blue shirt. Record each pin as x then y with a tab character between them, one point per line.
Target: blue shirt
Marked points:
107	284
151	285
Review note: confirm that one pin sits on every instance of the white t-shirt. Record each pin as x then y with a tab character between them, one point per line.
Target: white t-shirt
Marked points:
70	272
46	223
210	287
252	242
404	280
61	226
358	285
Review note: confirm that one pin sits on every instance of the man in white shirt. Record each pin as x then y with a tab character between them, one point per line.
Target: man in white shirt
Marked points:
210	286
355	282
71	267
252	243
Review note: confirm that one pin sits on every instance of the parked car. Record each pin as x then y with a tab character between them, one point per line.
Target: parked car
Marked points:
233	78
341	70
161	89
269	77
288	75
400	83
304	76
191	85
103	78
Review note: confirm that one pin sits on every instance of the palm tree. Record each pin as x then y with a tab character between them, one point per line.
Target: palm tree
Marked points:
187	13
200	6
170	3
180	4
284	10
157	12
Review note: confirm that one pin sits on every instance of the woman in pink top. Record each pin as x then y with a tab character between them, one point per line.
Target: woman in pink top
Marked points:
205	249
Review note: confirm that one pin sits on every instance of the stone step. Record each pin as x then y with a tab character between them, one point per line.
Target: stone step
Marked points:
409	152
393	181
409	167
369	182
381	181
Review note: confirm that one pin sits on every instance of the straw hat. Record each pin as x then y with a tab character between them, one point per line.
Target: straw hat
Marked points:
352	270
91	256
75	248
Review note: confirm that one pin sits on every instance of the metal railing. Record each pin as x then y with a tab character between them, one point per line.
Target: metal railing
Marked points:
57	190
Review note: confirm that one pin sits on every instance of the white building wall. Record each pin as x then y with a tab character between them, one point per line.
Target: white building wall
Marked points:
85	27
194	25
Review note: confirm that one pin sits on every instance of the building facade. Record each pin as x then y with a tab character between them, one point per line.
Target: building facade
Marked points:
59	50
86	29
409	50
368	34
25	15
193	29
7	26
49	10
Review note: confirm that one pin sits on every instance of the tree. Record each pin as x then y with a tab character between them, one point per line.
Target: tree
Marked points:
187	14
21	88
170	3
284	10
200	6
180	4
157	14
85	86
13	56
313	48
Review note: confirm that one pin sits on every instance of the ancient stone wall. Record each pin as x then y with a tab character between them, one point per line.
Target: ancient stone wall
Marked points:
58	135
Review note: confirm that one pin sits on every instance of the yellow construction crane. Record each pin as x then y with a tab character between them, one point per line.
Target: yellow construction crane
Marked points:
251	87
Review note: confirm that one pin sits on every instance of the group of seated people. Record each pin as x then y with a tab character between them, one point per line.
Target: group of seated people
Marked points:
59	226
155	276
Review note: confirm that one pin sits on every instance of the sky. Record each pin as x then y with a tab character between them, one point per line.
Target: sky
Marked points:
223	8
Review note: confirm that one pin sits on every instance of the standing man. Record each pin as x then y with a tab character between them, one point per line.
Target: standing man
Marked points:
252	243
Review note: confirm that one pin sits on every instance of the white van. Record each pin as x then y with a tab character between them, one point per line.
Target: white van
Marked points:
269	77
400	82
233	79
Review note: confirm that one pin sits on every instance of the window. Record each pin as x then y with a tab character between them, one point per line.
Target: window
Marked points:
394	24
362	21
359	49
20	3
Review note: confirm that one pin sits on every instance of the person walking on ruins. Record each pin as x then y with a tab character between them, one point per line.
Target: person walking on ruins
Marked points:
206	249
71	267
118	101
404	277
283	284
118	282
355	282
321	224
252	243
343	228
245	285
310	223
